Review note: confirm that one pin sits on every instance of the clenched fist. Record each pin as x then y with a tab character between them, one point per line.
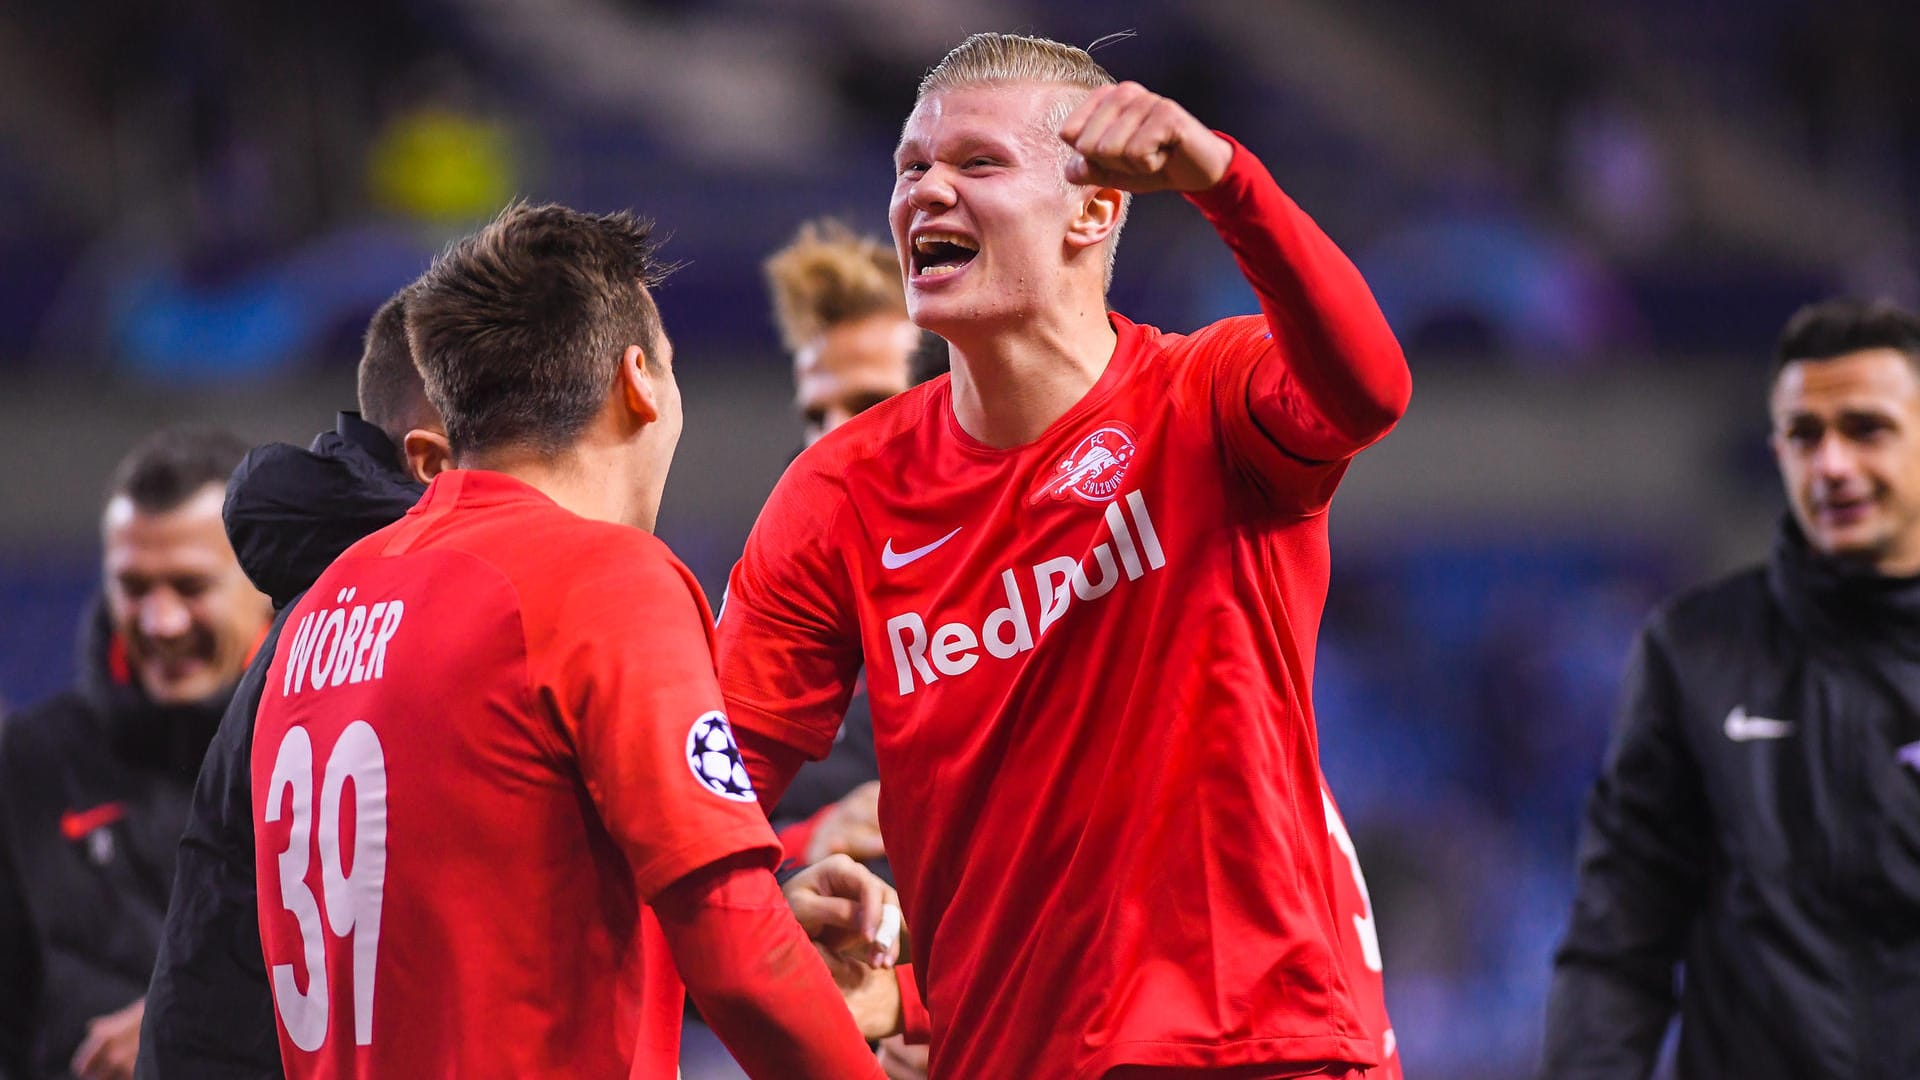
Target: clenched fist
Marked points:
1128	137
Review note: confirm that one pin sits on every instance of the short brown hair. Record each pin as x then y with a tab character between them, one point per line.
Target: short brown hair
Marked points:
169	467
828	275
392	397
1837	327
519	329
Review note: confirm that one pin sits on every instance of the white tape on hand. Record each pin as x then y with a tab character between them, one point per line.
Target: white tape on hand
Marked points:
889	935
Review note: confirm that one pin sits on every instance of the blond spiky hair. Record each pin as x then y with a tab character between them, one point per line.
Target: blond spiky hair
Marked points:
828	275
987	58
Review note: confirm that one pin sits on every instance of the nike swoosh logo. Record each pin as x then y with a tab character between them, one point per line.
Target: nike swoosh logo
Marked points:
75	824
1744	728
894	560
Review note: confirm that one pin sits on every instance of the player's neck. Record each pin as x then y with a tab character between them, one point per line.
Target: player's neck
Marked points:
1011	384
595	482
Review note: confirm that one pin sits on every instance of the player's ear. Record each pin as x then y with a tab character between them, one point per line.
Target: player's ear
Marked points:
635	388
428	453
1098	216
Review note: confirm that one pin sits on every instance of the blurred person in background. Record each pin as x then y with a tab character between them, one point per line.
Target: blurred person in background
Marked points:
289	513
535	726
1756	825
1060	807
95	783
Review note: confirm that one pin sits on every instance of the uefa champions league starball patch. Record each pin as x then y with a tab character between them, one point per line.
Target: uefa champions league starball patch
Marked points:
715	760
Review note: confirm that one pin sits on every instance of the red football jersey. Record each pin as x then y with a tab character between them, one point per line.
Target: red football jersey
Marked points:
1089	660
491	733
1360	942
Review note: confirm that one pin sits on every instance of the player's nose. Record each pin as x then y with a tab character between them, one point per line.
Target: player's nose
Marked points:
933	191
163	616
1833	459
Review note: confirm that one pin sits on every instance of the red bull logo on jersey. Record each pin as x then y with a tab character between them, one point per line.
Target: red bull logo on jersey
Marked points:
1094	469
1130	551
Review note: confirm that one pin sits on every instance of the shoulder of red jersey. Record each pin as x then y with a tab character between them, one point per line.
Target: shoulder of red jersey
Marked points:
1231	334
545	542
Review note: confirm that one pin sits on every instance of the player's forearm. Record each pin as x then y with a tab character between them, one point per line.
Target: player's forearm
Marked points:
757	981
1338	380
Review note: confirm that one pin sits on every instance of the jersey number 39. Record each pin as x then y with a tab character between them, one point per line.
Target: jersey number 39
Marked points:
352	899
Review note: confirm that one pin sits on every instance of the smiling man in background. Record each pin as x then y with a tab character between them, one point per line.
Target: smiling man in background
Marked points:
95	783
1757	821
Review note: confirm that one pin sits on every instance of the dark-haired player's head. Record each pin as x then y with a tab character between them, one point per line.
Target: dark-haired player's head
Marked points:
838	300
538	335
176	596
392	395
1846	431
986	222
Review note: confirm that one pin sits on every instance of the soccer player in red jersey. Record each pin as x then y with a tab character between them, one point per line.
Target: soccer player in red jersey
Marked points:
498	801
1085	575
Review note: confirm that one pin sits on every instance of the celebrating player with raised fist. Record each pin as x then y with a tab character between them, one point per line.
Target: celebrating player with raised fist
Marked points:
1084	575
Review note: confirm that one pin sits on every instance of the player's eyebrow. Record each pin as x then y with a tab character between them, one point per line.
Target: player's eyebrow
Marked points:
964	146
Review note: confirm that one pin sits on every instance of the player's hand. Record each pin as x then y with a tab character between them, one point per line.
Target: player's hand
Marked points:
901	1061
872	995
1128	137
843	907
111	1046
850	826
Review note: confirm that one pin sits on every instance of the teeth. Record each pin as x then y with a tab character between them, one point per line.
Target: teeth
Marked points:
934	271
925	241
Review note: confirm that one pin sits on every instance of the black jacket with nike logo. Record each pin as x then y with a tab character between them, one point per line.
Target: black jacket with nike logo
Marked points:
94	788
1756	833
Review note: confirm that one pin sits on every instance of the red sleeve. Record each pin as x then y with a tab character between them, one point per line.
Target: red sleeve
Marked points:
916	1024
757	981
623	660
1326	378
795	837
771	765
789	642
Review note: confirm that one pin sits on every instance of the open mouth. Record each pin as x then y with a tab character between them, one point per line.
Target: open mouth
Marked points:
937	253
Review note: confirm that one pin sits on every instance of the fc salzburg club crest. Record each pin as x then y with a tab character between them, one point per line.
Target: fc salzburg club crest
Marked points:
1095	467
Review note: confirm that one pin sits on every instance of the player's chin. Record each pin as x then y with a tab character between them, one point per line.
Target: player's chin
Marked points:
934	309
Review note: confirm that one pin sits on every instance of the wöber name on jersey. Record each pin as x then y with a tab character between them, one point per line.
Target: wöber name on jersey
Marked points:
342	644
1008	631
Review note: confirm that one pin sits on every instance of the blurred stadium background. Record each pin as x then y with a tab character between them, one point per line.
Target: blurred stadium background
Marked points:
1586	222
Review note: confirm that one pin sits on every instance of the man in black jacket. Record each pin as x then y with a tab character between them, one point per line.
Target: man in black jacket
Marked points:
289	513
1757	821
94	783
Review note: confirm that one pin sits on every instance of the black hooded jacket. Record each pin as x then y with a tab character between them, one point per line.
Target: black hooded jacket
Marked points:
1757	822
289	514
94	787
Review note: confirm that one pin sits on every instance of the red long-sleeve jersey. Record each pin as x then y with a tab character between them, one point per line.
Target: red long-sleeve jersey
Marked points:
1090	660
490	738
